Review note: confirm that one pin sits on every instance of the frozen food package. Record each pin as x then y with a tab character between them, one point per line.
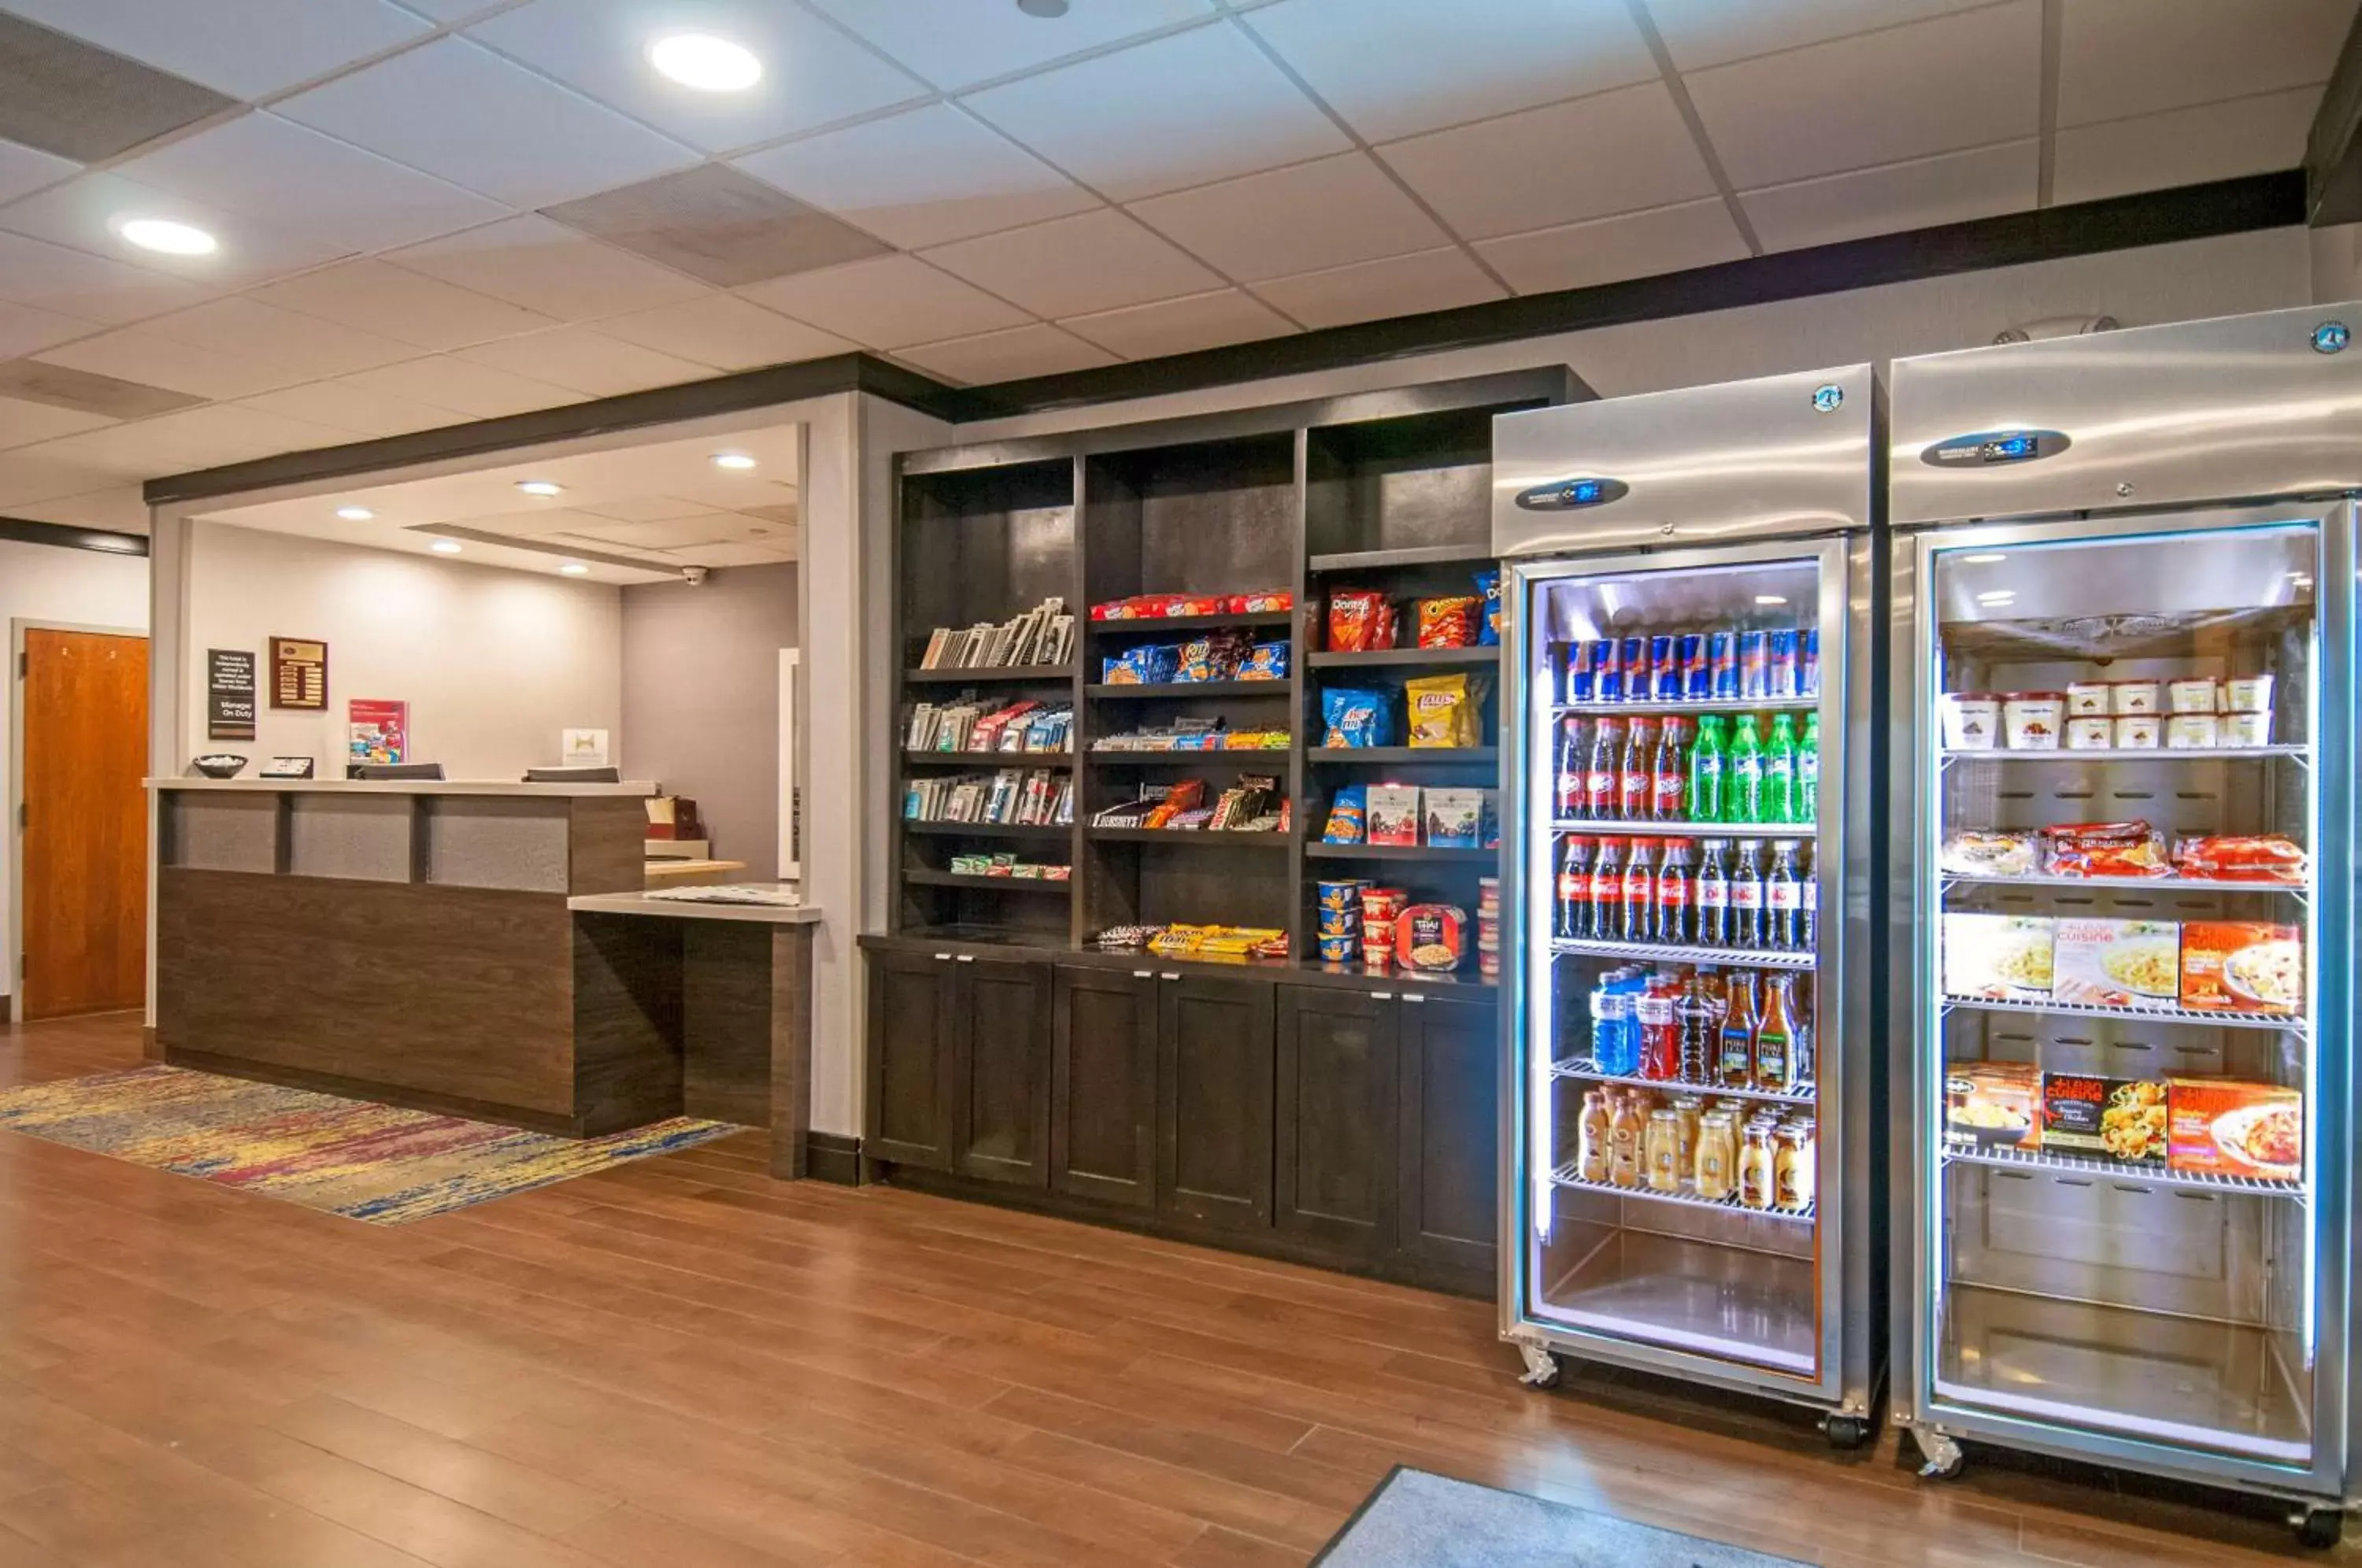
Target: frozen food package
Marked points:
2238	965
1448	623
1357	618
1991	854
1992	1105
2104	849
1488	588
1394	814
1431	938
2263	857
1997	957
2113	1118
1348	816
1443	709
2116	963
2225	1127
1353	718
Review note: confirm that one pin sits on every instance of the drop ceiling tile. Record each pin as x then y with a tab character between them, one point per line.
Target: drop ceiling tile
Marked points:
75	283
1607	250
647	509
23	423
194	438
583	360
1699	33
123	508
888	302
460	112
717	224
725	333
1923	193
82	211
1933	86
1177	326
452	12
544	266
958	45
1198	107
1092	262
309	346
36	474
680	533
2118	58
728	555
812	74
1394	67
1370	291
1035	350
477	390
273	170
353	408
921	177
142	354
23	170
248	49
2183	147
24	330
1323	213
1612	152
409	307
86	392
73	100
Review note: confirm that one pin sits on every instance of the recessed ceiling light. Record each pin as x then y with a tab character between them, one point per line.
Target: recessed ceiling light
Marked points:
355	513
705	63
1770	599
1998	596
539	487
445	547
574	568
164	235
734	462
1988	558
1049	9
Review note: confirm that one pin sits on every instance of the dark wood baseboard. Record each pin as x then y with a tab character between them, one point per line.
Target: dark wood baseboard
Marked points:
833	1157
380	1093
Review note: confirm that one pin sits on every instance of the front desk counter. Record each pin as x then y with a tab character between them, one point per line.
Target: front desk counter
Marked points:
411	942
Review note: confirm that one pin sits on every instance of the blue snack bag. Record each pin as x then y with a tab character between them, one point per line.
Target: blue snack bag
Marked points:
1348	816
1354	718
1488	628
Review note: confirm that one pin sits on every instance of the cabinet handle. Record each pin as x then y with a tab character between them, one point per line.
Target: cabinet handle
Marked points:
1413	996
964	958
1382	996
1144	973
943	957
1169	976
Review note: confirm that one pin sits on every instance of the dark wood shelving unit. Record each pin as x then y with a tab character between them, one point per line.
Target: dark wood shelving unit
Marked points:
988	829
1202	756
1405	756
1147	629
1054	885
1395	657
989	761
1116	692
1195	838
1473	553
1410	852
999	675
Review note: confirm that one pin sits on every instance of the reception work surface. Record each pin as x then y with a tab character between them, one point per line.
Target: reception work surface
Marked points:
412	942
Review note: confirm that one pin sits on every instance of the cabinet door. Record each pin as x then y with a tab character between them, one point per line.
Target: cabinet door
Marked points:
1335	1123
1214	1091
1450	1176
1000	1124
911	1040
1103	1086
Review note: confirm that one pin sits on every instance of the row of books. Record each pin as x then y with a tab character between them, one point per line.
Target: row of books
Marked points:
1044	634
967	726
1016	797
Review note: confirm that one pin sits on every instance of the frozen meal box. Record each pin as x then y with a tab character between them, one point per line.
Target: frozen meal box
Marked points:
1992	1105
2236	965
2116	963
2225	1127
1998	956
2115	1119
1394	814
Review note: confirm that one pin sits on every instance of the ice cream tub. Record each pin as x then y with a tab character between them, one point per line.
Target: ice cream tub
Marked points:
2193	694
2245	729
2248	694
2033	721
2085	698
2090	735
2192	732
2132	697
2139	732
1972	721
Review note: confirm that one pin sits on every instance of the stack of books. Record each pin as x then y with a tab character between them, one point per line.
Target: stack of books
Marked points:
1044	634
967	726
1013	797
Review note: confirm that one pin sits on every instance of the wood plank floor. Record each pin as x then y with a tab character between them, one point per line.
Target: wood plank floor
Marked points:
684	1362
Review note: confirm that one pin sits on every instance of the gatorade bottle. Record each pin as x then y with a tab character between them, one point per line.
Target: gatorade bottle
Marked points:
1706	786
1742	795
1780	772
1808	771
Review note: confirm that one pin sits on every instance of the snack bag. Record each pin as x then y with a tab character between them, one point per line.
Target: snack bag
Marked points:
1448	623
1488	628
1348	816
1265	661
1357	619
1355	718
1270	599
1444	710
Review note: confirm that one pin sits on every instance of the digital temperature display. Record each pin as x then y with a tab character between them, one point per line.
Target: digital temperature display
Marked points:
2011	448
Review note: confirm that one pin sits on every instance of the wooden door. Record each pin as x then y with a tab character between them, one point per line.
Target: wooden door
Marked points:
1103	1086
84	911
1450	1125
1335	1117
1214	1091
912	1039
1000	1077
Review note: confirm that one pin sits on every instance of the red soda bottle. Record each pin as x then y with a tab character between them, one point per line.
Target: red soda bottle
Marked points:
1572	762
1640	894
1669	787
1601	922
1599	780
1637	778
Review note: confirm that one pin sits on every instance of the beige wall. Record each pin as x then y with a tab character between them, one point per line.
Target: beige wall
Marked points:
493	663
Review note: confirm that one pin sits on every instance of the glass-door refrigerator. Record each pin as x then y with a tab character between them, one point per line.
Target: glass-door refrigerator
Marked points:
1689	1102
2122	610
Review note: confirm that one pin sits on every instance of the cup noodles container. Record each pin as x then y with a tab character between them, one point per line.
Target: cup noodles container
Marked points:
2192	732
1972	721
2245	729
2085	698
2139	732
2193	694
2248	694
1339	949
2225	1127
2132	697
1999	957
2239	966
2090	735
2033	721
2116	963
1432	938
1992	1105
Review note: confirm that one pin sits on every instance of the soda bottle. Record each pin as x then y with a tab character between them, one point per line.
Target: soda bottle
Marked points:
1775	1039
1808	904
1746	897
1735	1067
1700	1039
1782	900
1671	782
1780	772
1606	890
1808	771
1660	1039
1706	770
1636	780
1742	795
1675	926
1713	898
1571	761
1573	887
1640	894
1599	778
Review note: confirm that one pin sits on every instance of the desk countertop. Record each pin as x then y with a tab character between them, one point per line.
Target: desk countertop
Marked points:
685	908
634	788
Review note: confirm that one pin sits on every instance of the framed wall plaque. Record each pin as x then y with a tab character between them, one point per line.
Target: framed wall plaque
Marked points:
230	694
299	674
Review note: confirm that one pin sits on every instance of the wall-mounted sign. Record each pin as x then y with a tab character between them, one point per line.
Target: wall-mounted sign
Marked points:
287	767
582	748
379	731
299	674
230	694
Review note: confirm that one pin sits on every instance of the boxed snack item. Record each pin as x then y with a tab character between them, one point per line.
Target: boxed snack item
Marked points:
2116	963
1992	1105
1974	854
2003	958
2236	965
1394	814
1444	710
1431	938
2116	1119
2225	1127
1455	817
2104	849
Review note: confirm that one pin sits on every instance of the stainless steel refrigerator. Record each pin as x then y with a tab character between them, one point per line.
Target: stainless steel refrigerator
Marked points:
1689	1104
2123	623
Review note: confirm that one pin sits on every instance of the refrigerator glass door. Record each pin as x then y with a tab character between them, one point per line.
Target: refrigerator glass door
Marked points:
2119	1076
1680	823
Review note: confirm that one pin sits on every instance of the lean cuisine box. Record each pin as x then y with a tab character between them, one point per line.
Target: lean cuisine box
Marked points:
2224	1127
2116	963
2115	1119
2232	966
2003	958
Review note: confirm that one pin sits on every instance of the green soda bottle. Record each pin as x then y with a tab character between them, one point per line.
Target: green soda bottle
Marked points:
1808	771
1780	772
1742	790
1705	791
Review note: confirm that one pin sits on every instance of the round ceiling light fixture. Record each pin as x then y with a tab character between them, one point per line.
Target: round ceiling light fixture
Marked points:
355	513
166	237
736	462
574	568
445	547
1048	10
705	64
540	486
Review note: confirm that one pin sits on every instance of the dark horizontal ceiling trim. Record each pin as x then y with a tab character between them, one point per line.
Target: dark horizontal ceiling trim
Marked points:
2333	151
765	388
2151	217
66	537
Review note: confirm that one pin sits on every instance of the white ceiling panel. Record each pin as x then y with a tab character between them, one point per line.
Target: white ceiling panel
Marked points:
398	303
123	508
292	177
1394	67
1920	195
1198	107
1935	86
1176	326
1326	212
889	302
2183	147
82	214
812	74
1612	152
23	423
1607	250
959	45
680	533
353	408
144	355
76	285
309	346
584	360
544	266
1035	350
2118	58
725	333
1369	291
771	553
646	509
451	13
24	330
477	390
37	473
192	438
921	178
23	170
246	49
1699	33
1092	262
462	112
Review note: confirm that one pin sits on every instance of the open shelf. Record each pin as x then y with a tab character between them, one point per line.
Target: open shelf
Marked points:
2145	884
1687	1198
1195	757
2119	1172
2209	1018
990	759
1737	957
1798	831
1410	556
1317	851
1383	657
920	876
1676	708
2131	753
1147	626
999	675
988	829
1395	756
1582	1067
1753	1307
1199	838
1189	688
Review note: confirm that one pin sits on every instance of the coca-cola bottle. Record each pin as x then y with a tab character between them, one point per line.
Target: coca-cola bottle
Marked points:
1746	896
1640	894
1599	778
1637	774
1676	923
1573	887
1669	787
1603	920
1808	915
1712	897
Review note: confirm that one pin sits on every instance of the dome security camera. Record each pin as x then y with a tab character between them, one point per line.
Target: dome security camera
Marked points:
694	576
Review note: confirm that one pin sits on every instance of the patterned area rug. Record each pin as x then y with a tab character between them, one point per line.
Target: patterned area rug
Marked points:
363	1161
1417	1520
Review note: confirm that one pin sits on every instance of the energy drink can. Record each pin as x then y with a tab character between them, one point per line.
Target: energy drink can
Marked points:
1698	673
1783	680
1722	659
1607	671
1582	672
1664	670
1754	665
1808	662
1635	654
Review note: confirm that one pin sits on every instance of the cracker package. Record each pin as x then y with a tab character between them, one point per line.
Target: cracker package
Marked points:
1445	710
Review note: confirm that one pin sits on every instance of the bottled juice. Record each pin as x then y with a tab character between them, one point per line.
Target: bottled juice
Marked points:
1792	1182
1757	1172
1780	772
1736	1065
1775	1039
1625	1131
1742	795
1662	1151
1592	1133
1705	800
1717	1164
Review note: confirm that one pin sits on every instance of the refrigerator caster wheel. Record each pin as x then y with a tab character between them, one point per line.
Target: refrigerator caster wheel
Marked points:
1845	1433
1542	1367
1943	1455
2319	1529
